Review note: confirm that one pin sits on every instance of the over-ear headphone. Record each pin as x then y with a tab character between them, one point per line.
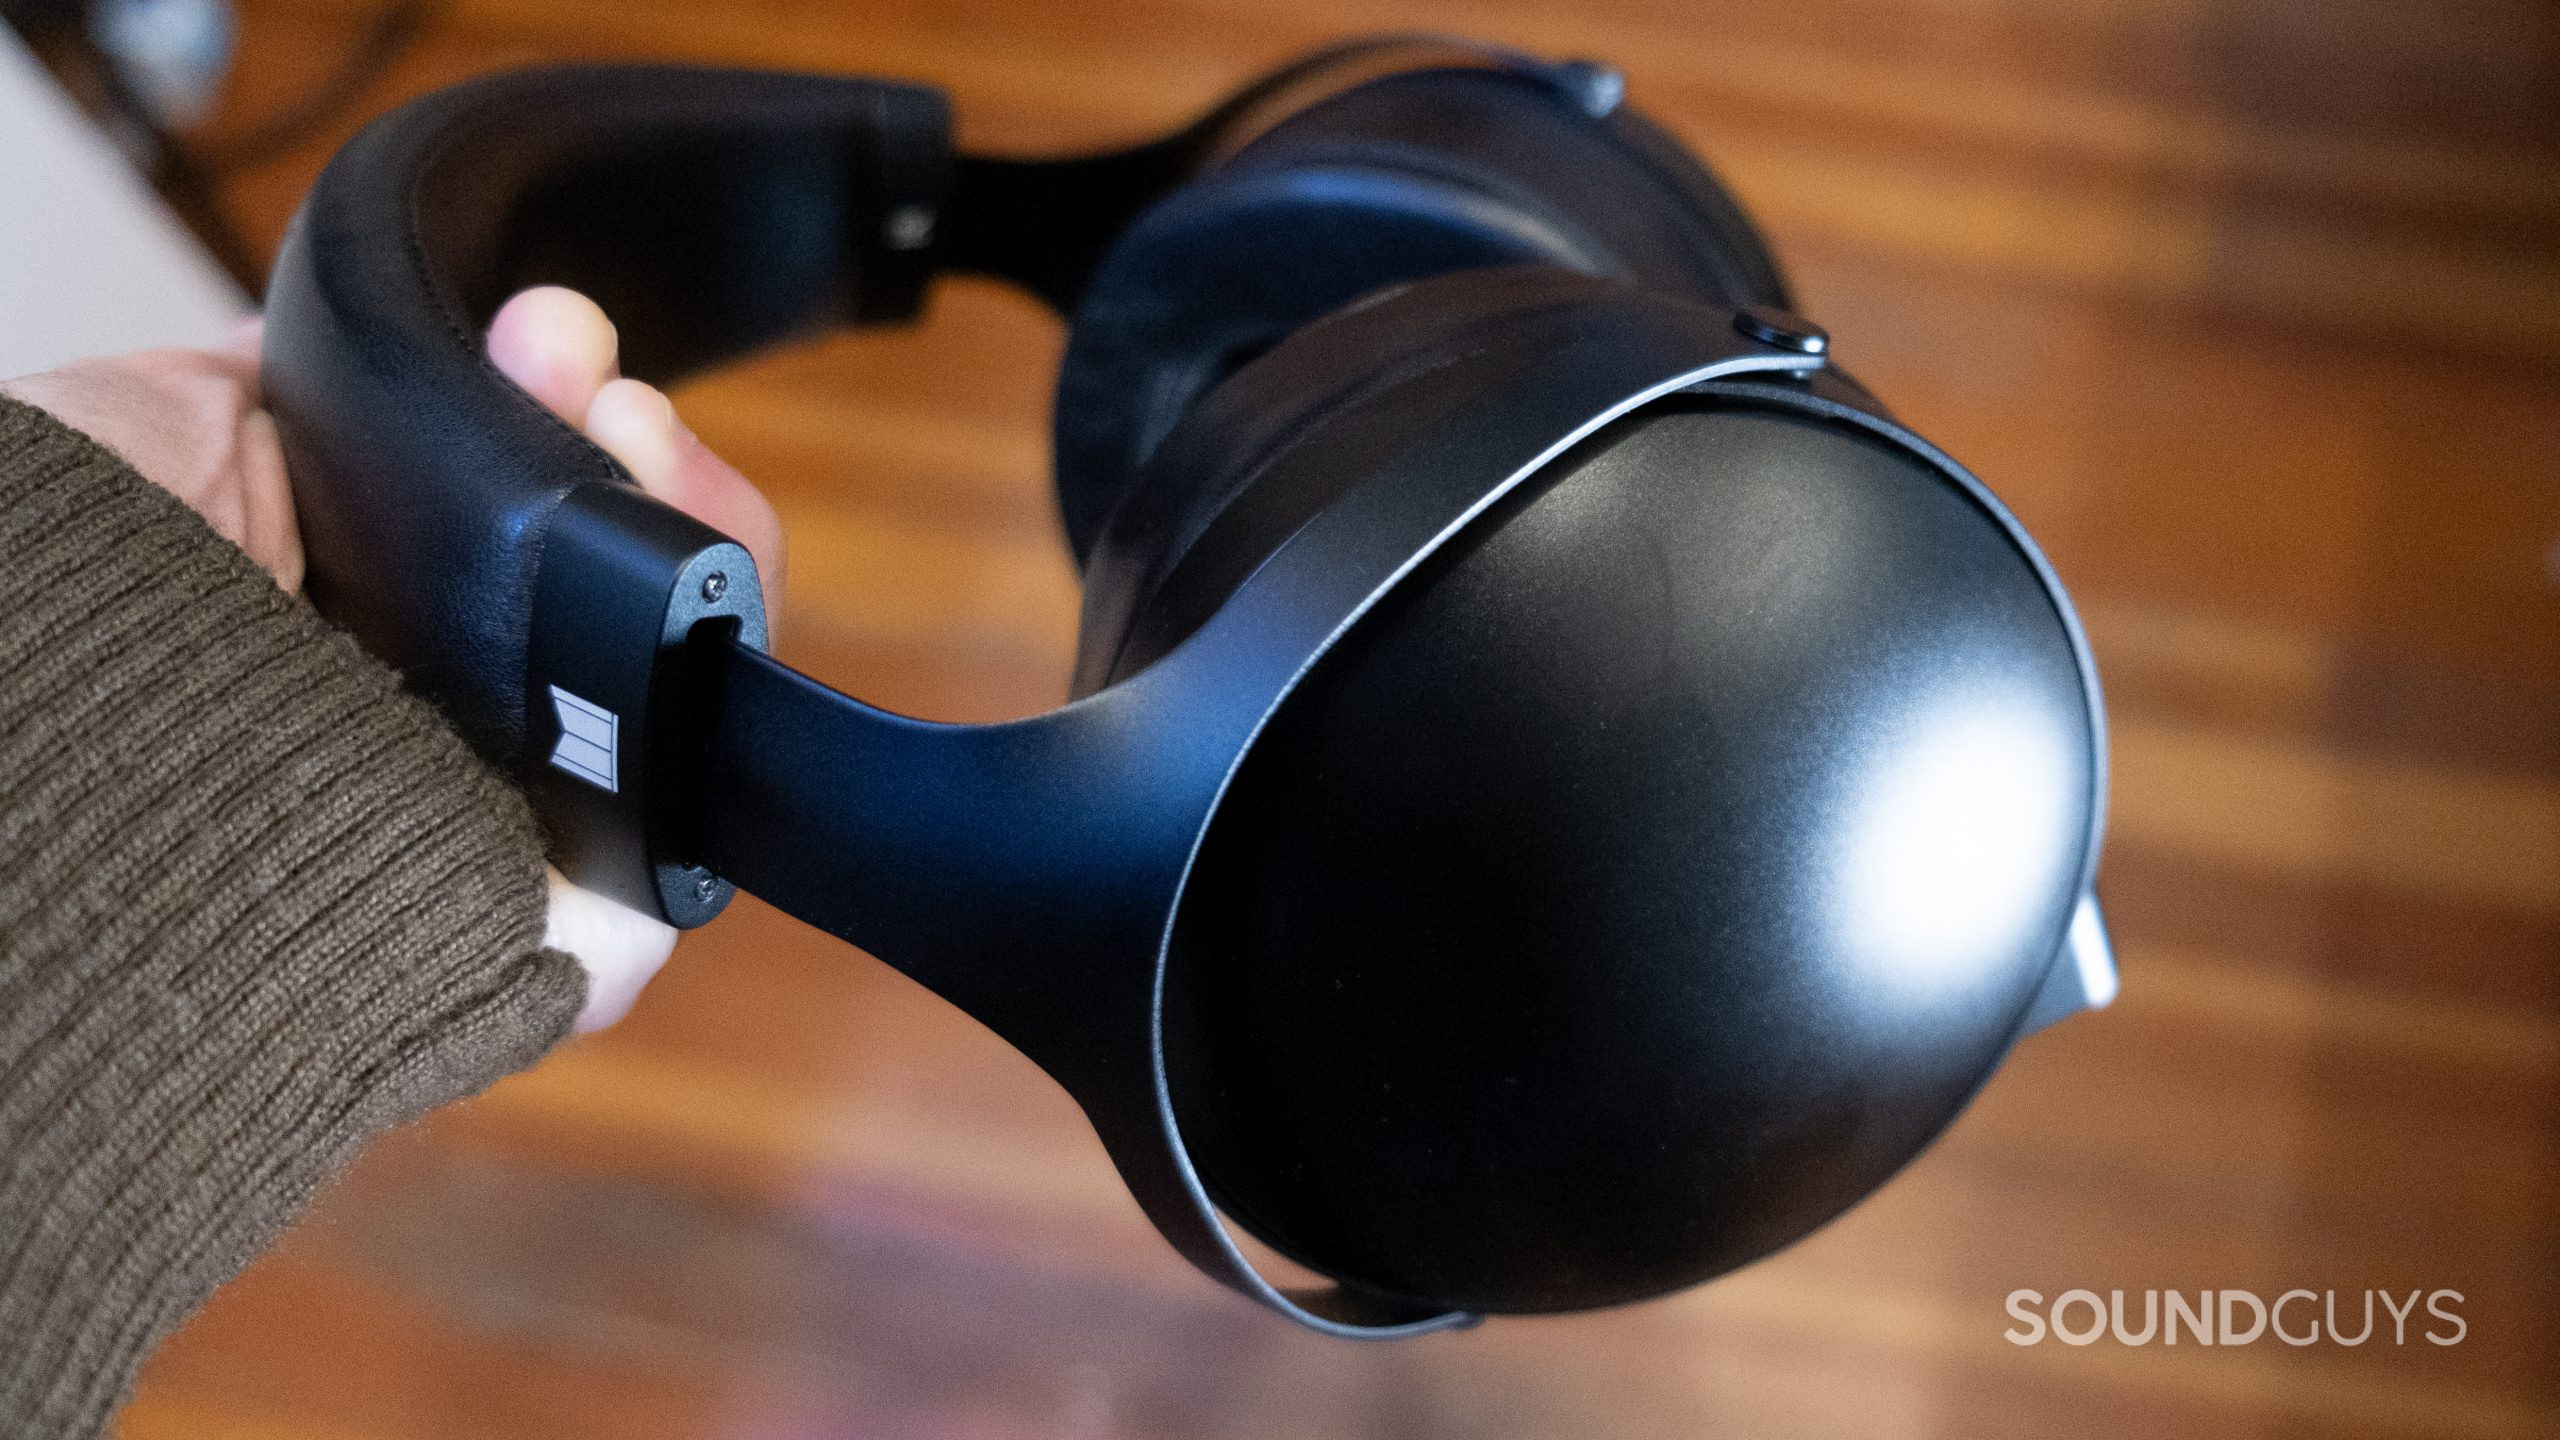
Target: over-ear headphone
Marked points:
1564	794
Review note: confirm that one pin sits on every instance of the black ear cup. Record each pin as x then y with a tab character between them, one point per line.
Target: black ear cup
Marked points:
1589	921
1656	870
1415	175
1653	872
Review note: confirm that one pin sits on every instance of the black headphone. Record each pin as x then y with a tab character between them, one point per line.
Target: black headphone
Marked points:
1564	794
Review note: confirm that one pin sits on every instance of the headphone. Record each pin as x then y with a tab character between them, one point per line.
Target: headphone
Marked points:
1563	793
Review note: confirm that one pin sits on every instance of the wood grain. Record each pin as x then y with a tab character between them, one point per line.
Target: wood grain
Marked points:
2251	311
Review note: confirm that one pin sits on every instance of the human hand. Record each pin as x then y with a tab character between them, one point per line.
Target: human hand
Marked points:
190	422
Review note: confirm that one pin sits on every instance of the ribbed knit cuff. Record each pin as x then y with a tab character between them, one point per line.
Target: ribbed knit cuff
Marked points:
256	905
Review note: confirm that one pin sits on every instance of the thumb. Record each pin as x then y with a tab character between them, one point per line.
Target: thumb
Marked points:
618	947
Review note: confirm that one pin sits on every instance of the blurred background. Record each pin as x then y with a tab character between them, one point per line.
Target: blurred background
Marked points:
2250	310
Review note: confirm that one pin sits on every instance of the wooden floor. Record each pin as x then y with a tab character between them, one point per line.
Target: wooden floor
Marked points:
2251	310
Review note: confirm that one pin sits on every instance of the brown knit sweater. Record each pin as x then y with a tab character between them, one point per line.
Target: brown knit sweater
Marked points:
256	905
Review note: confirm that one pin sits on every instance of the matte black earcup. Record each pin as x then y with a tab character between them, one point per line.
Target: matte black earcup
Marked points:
1414	175
1654	872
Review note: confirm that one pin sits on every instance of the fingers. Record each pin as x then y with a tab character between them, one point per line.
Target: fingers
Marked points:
268	531
637	425
561	349
618	947
555	345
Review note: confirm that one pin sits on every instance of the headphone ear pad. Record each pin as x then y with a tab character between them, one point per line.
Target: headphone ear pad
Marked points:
1407	177
1204	510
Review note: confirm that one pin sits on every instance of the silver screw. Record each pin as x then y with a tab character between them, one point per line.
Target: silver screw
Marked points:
714	585
1783	329
1595	88
706	889
909	227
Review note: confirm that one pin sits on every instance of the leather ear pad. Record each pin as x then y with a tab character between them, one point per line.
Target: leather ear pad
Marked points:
1410	176
1212	502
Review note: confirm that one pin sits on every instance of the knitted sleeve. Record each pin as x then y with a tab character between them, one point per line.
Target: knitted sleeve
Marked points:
256	905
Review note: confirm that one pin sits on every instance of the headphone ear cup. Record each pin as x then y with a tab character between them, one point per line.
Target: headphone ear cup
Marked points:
1407	177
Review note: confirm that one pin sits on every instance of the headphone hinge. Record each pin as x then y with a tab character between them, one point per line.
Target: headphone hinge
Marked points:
616	719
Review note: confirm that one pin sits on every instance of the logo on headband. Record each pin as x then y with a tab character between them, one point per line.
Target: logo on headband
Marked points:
586	746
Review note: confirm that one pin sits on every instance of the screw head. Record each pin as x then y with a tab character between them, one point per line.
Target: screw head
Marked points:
706	889
909	227
1783	329
715	585
1595	88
